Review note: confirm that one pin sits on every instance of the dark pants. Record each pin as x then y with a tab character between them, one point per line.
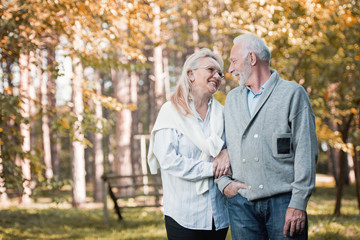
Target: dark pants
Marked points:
261	219
177	232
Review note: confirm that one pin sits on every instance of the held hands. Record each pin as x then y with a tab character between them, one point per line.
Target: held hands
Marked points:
294	221
221	164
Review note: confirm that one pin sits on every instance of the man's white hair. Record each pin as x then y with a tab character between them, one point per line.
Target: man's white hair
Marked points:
252	43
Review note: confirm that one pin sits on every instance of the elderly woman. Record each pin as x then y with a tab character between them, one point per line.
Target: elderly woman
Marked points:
187	144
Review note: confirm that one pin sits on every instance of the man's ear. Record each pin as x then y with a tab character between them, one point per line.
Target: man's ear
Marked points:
252	58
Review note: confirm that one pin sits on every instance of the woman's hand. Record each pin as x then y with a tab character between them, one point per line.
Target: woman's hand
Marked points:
221	164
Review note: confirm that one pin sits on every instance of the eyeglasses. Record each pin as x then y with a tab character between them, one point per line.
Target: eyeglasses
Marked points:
213	70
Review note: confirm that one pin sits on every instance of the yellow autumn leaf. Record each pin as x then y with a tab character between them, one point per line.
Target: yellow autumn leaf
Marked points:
228	75
132	107
318	121
326	95
4	40
88	143
65	124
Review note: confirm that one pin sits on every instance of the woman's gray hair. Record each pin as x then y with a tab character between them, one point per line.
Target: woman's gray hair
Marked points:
252	43
181	96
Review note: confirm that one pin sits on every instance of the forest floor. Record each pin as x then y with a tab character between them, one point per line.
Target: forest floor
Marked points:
45	220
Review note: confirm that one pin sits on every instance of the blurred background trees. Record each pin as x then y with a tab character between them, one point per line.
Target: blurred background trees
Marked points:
123	57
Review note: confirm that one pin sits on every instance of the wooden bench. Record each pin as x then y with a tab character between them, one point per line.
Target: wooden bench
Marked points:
132	191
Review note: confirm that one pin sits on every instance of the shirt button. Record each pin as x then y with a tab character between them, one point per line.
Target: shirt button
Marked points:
256	135
256	159
243	160
261	186
249	187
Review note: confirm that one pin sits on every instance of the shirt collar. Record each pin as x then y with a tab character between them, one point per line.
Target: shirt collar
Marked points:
261	89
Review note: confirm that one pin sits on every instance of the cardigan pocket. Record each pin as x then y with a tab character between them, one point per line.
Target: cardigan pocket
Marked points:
281	145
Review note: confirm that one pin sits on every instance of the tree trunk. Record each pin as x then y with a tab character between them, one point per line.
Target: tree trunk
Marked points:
331	162
78	160
25	127
149	91
342	161
213	29
195	32
32	99
357	176
122	93
340	184
51	110
135	145
158	60
334	155
347	171
356	160
45	125
98	139
166	76
106	145
89	153
111	143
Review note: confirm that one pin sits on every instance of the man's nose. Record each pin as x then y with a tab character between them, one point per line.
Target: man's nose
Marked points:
231	68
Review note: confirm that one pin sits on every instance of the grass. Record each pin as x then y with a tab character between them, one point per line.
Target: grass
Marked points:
58	222
88	224
324	225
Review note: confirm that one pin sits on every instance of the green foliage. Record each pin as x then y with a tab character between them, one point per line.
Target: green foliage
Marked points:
11	151
11	141
52	188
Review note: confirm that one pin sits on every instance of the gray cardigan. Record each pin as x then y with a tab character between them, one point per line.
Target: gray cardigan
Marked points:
276	150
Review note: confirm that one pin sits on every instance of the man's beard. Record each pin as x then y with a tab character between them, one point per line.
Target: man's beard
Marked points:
243	76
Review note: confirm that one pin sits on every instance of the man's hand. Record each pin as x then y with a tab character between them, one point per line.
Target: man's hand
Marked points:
221	164
233	188
294	221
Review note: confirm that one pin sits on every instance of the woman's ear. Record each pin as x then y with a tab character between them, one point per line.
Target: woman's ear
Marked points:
190	75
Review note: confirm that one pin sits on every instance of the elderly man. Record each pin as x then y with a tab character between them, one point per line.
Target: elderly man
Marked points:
271	140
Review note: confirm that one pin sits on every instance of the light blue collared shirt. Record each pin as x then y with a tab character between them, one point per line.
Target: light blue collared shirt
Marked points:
180	169
253	99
